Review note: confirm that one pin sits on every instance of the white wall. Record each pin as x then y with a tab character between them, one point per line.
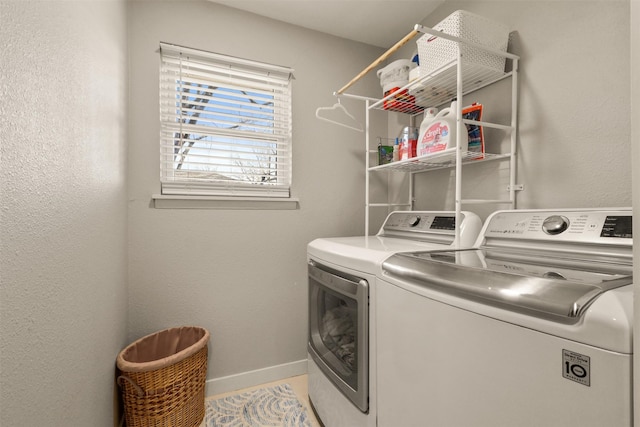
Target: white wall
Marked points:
635	159
574	136
241	274
63	302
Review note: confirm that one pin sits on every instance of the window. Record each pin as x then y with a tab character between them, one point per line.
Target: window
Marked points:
225	125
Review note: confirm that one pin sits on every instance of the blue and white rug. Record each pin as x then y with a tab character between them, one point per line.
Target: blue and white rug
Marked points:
275	406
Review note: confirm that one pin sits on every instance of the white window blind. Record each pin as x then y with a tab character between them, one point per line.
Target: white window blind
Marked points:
225	125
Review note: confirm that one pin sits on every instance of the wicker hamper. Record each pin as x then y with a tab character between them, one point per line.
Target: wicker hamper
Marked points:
162	378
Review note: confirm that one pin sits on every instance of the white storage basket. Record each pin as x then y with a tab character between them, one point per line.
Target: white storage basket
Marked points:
435	52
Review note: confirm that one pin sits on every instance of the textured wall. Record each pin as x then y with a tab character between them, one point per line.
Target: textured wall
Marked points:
241	274
63	210
635	152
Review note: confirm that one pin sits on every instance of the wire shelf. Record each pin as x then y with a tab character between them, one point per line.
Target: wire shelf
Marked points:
460	76
442	160
438	88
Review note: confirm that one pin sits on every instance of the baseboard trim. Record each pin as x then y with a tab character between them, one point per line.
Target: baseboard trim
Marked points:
253	378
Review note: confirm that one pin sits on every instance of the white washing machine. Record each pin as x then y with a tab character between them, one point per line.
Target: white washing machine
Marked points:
531	328
342	274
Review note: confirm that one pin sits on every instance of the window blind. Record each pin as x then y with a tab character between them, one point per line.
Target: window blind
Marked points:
225	125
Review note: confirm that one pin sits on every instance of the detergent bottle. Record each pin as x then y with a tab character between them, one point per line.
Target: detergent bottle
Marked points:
429	115
438	133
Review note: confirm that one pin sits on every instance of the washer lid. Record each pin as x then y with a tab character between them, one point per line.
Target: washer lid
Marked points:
552	288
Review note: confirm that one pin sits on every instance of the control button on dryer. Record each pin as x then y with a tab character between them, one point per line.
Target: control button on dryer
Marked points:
414	220
555	224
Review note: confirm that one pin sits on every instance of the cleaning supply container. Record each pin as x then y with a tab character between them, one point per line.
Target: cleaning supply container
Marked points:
408	142
392	78
429	115
439	132
394	75
162	378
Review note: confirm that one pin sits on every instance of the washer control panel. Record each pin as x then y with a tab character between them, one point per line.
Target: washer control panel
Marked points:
555	224
583	226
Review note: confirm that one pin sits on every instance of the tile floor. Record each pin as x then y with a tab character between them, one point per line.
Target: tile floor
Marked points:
299	386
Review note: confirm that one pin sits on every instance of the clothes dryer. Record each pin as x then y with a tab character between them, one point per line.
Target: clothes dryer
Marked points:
532	328
342	272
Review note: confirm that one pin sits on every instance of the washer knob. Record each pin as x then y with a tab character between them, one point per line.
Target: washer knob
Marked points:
414	220
555	224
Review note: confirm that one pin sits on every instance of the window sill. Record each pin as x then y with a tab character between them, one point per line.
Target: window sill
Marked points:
161	201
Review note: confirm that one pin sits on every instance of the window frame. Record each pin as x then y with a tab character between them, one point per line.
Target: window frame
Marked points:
277	184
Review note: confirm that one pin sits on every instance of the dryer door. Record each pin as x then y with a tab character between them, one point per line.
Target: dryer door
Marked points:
338	330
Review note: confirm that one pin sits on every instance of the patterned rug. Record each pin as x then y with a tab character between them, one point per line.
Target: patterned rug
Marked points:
275	406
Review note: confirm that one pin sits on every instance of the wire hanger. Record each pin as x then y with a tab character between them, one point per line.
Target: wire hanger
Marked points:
354	124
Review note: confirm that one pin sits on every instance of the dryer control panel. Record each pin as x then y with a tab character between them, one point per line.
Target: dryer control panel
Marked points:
569	226
420	221
434	226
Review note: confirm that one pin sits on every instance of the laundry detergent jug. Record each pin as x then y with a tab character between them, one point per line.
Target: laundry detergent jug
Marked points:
438	133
